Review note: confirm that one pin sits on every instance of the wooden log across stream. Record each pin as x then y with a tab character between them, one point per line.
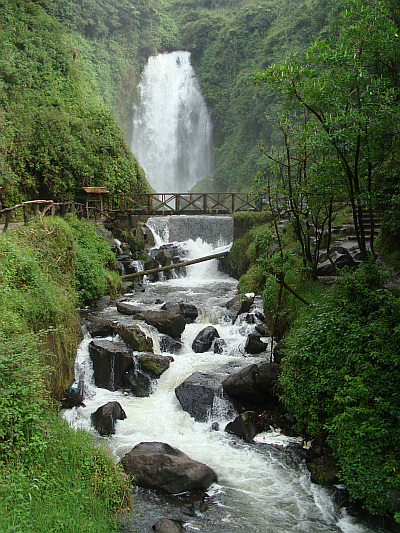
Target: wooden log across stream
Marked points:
175	265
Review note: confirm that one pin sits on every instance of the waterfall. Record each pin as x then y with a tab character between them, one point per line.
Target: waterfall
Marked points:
172	128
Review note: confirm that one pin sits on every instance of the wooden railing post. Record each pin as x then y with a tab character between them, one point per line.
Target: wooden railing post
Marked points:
205	203
25	209
177	203
8	218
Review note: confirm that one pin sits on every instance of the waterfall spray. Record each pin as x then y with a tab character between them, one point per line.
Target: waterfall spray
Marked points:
172	127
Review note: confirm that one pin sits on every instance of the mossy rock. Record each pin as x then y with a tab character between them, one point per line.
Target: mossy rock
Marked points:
135	337
154	364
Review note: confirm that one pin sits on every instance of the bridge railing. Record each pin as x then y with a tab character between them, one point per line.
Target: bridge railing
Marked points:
25	211
183	203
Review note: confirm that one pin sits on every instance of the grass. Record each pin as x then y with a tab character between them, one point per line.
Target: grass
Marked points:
51	477
71	486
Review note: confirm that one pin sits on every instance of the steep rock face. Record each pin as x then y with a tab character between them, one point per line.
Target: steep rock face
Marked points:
116	366
160	466
111	360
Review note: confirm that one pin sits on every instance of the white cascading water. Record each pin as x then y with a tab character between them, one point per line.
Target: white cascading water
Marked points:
261	487
172	127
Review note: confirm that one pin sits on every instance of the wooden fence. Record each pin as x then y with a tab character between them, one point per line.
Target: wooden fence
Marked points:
137	204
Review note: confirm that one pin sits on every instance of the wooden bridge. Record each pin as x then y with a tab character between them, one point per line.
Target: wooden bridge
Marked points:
135	204
183	203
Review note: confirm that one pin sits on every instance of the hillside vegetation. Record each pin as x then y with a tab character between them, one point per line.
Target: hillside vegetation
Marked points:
52	478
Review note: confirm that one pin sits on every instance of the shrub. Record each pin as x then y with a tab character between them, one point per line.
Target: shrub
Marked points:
341	372
93	258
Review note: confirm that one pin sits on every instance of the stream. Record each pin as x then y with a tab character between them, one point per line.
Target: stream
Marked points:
262	486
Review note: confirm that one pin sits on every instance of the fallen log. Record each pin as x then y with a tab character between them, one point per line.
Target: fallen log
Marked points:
175	265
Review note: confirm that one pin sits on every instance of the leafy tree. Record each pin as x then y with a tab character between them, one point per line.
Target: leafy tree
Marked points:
344	83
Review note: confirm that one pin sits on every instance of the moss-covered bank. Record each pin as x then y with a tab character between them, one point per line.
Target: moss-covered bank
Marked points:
52	479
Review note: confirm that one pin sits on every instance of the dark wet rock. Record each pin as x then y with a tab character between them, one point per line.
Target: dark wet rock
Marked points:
137	382
153	364
111	360
169	525
254	385
188	311
197	393
165	322
98	326
160	466
324	470
339	258
262	329
127	308
204	339
168	344
239	304
73	397
246	426
105	417
320	462
218	345
116	366
164	257
134	337
254	344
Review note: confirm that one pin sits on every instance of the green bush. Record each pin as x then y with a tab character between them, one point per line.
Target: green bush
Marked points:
93	257
341	372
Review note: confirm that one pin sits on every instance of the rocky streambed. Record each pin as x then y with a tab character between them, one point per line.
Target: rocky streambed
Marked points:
178	380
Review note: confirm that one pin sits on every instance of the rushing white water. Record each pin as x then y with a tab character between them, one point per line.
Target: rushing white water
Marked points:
172	127
261	488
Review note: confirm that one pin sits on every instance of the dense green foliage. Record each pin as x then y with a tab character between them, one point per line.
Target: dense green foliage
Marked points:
230	42
341	373
51	478
341	115
93	258
56	134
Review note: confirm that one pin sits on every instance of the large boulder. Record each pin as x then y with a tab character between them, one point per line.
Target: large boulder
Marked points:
116	366
134	336
127	308
197	394
253	386
246	426
204	339
254	344
188	311
105	417
111	361
98	326
160	466
165	322
239	304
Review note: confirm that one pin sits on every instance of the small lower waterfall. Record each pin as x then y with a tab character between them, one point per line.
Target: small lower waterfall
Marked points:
172	127
262	487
